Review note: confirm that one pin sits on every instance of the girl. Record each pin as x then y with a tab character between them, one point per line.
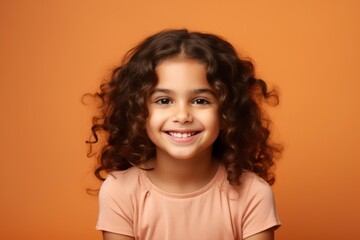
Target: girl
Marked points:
187	147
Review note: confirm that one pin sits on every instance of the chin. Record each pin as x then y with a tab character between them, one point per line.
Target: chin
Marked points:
182	157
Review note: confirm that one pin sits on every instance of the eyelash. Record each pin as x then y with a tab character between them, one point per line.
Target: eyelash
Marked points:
201	101
161	101
197	101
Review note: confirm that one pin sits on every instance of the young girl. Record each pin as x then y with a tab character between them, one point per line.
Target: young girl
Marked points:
187	151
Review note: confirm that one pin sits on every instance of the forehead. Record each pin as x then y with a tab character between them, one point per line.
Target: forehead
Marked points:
178	72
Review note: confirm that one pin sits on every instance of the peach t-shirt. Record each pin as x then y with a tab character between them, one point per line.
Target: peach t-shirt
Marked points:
130	204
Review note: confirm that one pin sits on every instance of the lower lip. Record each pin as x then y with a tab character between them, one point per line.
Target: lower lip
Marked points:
178	140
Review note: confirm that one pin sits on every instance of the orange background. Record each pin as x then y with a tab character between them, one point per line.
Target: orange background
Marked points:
52	52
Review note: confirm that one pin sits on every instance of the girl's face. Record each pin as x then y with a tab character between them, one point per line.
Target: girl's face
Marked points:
183	120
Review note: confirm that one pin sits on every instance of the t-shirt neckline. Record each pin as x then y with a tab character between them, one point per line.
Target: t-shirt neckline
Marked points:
215	179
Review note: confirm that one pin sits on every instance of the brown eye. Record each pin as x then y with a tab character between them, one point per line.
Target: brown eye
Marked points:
163	101
201	101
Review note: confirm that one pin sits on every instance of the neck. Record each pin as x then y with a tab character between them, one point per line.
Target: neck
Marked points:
182	175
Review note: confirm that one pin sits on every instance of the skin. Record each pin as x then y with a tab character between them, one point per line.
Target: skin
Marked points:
183	123
265	235
114	236
182	103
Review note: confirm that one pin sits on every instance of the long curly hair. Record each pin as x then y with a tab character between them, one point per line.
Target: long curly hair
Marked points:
244	141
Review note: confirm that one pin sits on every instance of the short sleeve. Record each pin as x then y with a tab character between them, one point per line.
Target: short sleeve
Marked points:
115	209
260	211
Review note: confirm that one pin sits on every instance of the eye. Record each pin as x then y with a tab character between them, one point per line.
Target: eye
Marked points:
163	101
201	101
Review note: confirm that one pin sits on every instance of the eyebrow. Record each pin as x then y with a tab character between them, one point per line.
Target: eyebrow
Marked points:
196	91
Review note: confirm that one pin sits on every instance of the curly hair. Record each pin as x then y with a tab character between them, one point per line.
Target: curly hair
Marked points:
244	140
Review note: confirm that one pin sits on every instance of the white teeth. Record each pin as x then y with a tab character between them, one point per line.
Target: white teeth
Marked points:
181	135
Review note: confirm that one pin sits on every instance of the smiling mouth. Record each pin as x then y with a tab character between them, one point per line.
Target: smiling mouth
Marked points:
182	134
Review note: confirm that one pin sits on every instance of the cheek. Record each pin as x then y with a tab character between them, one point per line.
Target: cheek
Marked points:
149	128
153	121
211	120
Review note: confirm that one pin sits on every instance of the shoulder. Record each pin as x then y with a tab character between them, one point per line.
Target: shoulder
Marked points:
252	189
255	188
124	183
251	204
254	183
117	201
249	183
259	210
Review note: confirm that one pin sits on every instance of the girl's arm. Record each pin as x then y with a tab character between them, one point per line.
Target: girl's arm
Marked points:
114	236
265	235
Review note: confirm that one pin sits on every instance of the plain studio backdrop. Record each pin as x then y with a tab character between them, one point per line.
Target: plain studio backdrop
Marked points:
52	52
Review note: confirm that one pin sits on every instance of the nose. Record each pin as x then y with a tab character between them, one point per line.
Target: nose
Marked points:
182	114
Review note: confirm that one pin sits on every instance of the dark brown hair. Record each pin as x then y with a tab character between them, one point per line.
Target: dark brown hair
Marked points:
243	143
